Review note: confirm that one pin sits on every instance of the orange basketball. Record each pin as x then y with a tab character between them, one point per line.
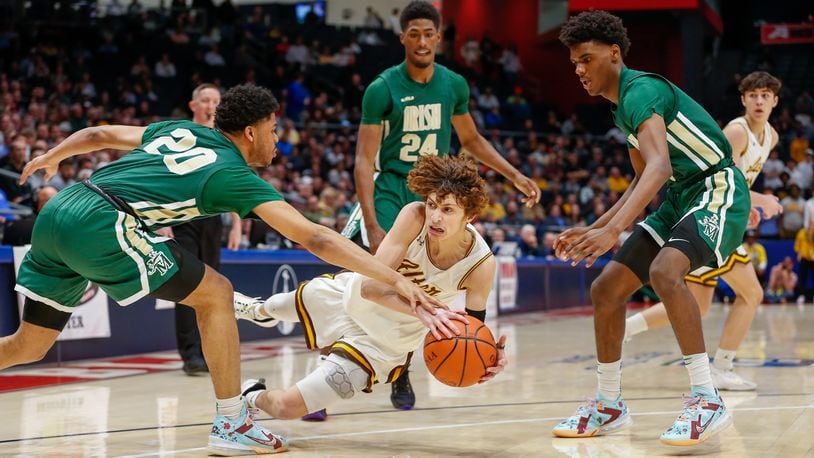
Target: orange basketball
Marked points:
461	360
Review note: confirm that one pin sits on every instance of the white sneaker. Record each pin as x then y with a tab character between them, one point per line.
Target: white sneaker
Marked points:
730	381
246	309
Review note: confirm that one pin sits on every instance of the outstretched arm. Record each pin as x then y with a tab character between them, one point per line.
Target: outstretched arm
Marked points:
84	141
474	142
652	136
335	249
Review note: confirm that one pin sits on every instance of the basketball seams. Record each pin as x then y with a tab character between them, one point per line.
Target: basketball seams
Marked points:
450	363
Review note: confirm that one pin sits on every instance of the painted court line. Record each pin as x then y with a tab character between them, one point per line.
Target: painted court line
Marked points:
458	425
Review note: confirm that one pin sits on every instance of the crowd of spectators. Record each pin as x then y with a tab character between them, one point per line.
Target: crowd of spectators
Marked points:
136	66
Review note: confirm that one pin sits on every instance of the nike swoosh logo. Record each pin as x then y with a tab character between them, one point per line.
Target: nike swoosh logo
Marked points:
407	99
699	428
678	240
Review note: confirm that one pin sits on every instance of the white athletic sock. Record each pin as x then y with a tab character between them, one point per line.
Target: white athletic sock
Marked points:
251	398
698	367
610	379
636	324
281	307
230	408
723	359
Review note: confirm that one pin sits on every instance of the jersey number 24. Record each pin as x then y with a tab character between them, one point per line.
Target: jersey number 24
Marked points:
413	148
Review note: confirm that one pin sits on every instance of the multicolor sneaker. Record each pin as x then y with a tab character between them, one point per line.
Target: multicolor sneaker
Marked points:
728	380
319	415
242	436
704	416
246	309
596	417
247	387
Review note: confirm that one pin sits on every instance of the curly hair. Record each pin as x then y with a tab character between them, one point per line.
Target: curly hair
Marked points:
243	106
759	80
592	25
449	175
419	9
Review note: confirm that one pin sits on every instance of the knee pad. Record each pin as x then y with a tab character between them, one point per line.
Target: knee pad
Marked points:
336	379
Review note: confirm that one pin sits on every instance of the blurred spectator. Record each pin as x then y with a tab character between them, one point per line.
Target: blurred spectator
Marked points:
772	169
793	210
65	176
372	19
756	253
782	282
14	163
501	246
529	246
393	23
804	247
17	232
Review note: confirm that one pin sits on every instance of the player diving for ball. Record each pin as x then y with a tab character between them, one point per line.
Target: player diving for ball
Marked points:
370	331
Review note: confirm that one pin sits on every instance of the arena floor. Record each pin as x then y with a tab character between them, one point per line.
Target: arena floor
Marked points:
551	370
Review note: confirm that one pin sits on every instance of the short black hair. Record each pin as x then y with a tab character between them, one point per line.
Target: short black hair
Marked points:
419	9
243	106
595	25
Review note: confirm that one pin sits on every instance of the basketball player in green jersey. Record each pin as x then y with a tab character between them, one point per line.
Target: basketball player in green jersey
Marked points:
409	111
102	230
702	220
752	139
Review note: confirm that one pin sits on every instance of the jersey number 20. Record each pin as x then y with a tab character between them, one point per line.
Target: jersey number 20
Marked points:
185	156
413	149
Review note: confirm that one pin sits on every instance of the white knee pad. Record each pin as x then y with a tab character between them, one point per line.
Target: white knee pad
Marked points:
337	378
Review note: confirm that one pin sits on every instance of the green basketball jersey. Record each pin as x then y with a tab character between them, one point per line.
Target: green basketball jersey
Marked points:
696	143
416	117
181	172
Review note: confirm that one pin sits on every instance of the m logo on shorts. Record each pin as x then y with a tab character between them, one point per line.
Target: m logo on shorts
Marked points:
158	262
711	226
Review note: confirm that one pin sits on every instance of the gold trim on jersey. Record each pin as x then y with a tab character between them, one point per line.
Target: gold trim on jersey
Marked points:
711	278
472	269
398	370
348	351
310	333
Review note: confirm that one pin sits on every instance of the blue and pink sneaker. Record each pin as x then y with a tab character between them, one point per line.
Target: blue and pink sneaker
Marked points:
596	417
242	436
704	416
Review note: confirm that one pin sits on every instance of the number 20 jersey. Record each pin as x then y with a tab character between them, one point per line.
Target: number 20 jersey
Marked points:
415	117
181	172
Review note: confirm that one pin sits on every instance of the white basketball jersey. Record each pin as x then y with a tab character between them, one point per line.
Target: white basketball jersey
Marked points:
752	160
399	332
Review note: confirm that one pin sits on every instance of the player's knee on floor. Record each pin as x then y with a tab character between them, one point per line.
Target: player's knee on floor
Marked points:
336	379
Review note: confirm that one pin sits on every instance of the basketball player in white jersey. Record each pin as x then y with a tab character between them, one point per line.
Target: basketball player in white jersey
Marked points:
370	331
752	138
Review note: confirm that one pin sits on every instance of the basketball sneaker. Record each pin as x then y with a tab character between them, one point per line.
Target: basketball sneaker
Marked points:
729	380
704	416
242	436
319	415
246	308
402	395
596	417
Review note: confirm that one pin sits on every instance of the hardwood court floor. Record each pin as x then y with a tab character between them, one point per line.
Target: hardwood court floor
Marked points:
551	370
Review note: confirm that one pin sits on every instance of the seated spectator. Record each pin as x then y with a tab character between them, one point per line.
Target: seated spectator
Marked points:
804	247
529	246
501	246
66	175
17	232
756	253
782	282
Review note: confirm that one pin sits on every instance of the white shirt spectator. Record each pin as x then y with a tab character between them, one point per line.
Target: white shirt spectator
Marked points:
297	54
510	61
771	173
802	174
164	68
